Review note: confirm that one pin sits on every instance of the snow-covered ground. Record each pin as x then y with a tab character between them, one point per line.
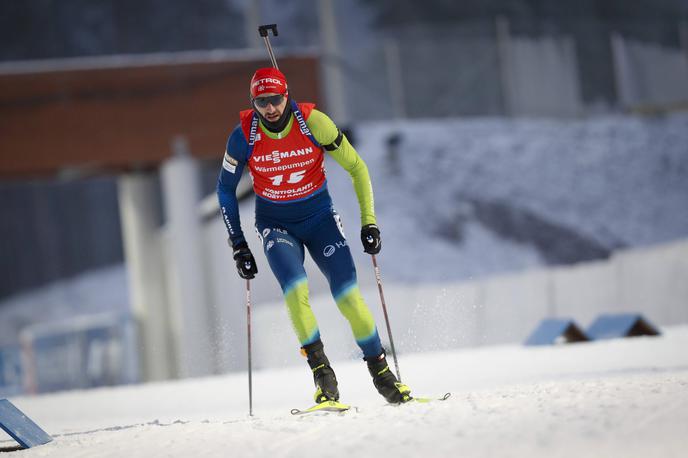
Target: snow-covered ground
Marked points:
622	398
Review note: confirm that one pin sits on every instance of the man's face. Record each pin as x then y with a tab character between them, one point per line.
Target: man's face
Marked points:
276	103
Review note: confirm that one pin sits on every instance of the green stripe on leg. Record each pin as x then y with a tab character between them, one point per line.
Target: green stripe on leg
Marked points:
300	312
355	310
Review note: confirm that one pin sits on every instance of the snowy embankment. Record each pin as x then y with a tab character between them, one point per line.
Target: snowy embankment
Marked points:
616	398
473	197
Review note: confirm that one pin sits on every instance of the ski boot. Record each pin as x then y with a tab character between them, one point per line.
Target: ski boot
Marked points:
323	375
386	383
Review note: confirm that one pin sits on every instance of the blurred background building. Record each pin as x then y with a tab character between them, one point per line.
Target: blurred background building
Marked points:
529	158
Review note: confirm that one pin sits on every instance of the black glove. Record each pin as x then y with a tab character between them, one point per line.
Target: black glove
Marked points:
245	262
370	237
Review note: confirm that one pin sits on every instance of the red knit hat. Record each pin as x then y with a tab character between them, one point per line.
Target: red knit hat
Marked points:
268	80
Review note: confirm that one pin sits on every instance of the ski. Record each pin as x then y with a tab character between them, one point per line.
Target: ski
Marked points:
426	400
326	406
338	407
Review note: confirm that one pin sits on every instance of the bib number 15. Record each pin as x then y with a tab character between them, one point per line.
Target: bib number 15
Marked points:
295	177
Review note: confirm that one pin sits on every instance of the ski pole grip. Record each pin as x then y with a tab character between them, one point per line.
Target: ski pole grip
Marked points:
264	29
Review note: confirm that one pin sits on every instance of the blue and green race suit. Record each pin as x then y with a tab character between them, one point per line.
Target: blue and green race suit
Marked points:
288	164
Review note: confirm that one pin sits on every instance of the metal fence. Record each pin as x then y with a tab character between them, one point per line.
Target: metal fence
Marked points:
490	69
649	75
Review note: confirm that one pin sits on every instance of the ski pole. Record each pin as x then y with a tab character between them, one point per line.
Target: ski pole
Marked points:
263	31
248	325
384	309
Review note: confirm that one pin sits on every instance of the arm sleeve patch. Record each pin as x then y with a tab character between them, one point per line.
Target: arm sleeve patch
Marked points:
229	163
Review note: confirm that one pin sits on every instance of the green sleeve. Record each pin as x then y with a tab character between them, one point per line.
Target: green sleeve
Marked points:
325	132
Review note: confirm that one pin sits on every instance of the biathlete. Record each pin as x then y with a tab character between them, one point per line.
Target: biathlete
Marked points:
282	143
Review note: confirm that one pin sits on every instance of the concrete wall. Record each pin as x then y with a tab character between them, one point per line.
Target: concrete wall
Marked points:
655	282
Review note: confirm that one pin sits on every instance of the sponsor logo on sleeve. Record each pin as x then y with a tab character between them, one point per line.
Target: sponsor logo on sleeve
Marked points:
229	163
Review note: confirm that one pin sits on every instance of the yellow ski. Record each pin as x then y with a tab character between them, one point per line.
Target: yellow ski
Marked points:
424	400
327	406
411	399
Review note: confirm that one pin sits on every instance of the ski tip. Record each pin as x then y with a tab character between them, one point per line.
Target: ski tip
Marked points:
424	400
